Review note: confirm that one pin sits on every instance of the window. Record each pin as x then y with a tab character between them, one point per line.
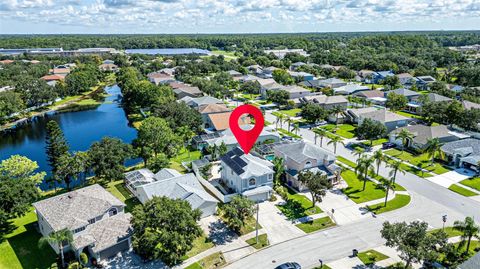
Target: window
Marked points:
112	212
270	176
79	229
252	182
308	164
91	221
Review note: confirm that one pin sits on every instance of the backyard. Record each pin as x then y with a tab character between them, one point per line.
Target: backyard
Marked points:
420	160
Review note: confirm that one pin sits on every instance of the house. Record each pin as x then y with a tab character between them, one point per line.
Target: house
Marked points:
472	263
246	78
60	70
169	183
463	153
416	105
187	90
215	116
234	74
295	92
331	83
52	79
197	102
381	75
110	67
455	88
409	94
406	79
158	78
470	105
267	72
255	69
96	218
280	53
271	86
247	175
314	84
424	81
391	120
374	96
227	137
326	102
303	156
221	121
350	88
366	75
108	62
422	133
5	62
301	76
296	65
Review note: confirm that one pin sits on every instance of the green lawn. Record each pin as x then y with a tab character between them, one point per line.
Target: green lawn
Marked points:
450	231
118	189
421	160
412	169
343	130
474	247
462	191
371	256
291	112
262	241
346	161
20	247
250	226
200	244
316	224
397	187
355	188
375	142
323	267
473	183
298	206
408	115
216	260
287	133
184	155
399	201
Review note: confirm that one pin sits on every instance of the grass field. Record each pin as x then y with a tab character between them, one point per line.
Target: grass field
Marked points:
375	142
421	160
287	133
408	115
399	201
216	260
346	161
450	231
473	183
355	188
413	170
343	130
298	206
118	189
200	244
316	224
262	241
291	112
462	191
371	256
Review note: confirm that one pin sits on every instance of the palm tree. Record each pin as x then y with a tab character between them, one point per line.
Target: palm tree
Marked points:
320	132
396	167
358	151
336	110
387	185
335	140
289	121
364	164
469	230
61	238
404	135
379	158
279	168
296	128
280	119
433	146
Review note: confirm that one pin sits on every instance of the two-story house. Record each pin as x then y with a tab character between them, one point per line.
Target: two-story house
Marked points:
301	156
247	175
96	218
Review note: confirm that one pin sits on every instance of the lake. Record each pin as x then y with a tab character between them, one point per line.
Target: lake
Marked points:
81	129
171	51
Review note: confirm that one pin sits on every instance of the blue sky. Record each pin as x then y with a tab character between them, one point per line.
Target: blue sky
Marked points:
234	16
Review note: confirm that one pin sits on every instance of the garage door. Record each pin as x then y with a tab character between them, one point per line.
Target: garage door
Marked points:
113	250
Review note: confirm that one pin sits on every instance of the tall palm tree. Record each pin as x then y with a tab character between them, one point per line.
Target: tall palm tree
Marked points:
433	146
320	132
296	128
279	168
60	238
387	185
335	140
396	167
364	164
404	135
336	110
280	119
289	121
469	230
379	158
358	151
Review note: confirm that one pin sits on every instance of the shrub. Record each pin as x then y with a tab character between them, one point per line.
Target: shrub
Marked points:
83	259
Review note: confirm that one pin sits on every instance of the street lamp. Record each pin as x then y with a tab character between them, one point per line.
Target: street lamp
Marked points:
321	263
256	225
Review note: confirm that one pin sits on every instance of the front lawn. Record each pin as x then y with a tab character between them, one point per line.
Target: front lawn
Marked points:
298	206
462	191
250	226
291	112
316	224
287	133
216	260
371	256
473	183
399	201
200	244
412	169
355	188
450	231
262	241
20	247
346	161
343	130
421	160
375	142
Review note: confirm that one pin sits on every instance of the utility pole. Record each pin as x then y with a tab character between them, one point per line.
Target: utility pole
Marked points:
444	219
256	225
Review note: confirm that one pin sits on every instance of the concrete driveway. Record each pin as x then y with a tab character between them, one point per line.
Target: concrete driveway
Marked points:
452	177
276	225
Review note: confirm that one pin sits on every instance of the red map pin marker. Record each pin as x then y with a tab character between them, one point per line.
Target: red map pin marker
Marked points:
246	138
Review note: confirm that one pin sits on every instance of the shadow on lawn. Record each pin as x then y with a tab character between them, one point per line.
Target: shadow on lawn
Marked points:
130	201
293	210
25	246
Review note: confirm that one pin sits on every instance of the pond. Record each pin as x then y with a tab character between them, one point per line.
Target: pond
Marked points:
170	51
81	129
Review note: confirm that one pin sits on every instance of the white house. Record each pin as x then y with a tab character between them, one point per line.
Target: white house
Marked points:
170	183
96	218
247	175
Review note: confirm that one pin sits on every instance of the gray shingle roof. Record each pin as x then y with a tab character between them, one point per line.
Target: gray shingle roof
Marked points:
404	92
422	132
383	116
465	146
433	97
302	151
73	209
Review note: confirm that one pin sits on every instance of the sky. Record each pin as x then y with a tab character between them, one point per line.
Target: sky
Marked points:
234	16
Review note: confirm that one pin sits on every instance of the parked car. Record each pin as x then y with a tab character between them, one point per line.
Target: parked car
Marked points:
289	265
388	145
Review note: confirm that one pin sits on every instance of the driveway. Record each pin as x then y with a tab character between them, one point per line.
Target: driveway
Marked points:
452	177
276	225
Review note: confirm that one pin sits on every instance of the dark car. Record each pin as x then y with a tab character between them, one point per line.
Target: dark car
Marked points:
388	145
289	265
